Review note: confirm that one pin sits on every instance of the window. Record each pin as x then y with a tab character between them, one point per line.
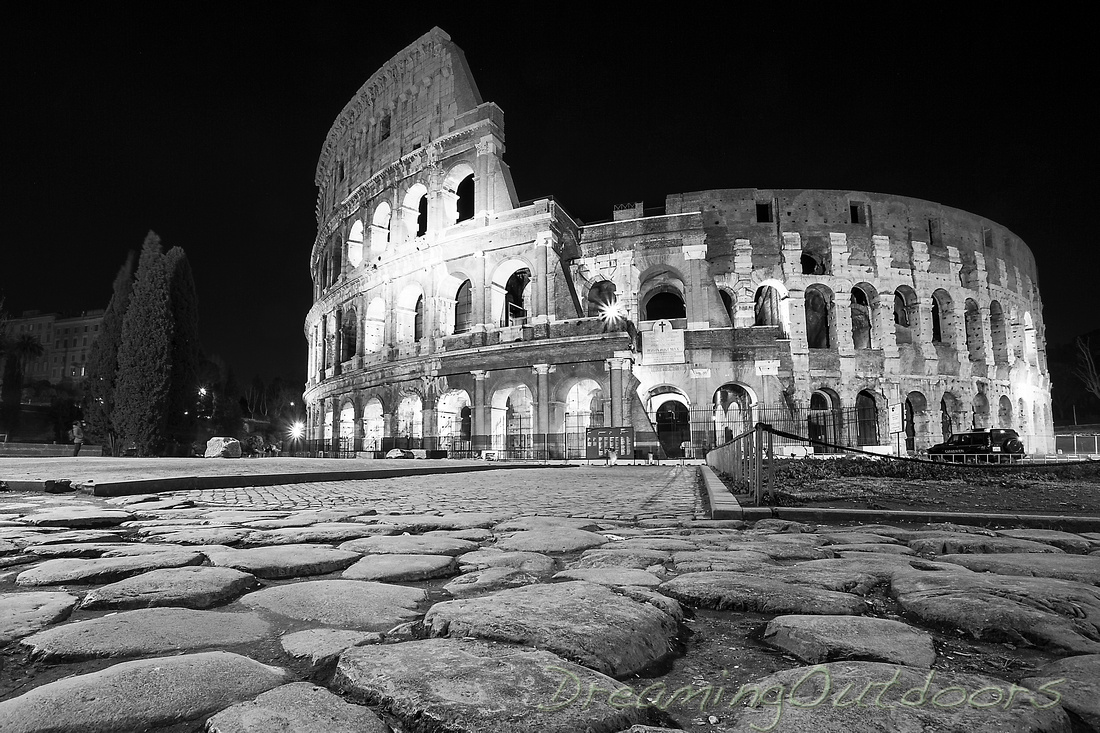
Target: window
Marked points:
858	212
764	212
384	128
418	319
464	307
987	237
935	231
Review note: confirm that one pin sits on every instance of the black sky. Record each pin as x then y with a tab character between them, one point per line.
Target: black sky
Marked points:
203	122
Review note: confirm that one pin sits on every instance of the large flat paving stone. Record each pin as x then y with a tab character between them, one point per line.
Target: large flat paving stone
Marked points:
1066	541
142	695
1080	568
409	545
357	604
814	639
146	631
321	646
611	576
959	543
872	697
702	560
583	622
530	523
77	536
639	559
300	707
203	536
1057	614
552	541
329	532
666	544
468	686
22	614
487	580
532	562
283	561
781	550
103	569
1079	688
732	591
187	587
402	568
77	517
426	522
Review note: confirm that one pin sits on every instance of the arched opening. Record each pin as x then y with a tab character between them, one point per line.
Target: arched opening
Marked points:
347	427
514	290
998	333
674	428
380	230
727	306
867	418
664	305
327	429
584	408
464	307
949	407
418	319
818	322
410	423
374	326
513	421
942	318
905	315
732	412
1031	351
348	329
465	203
454	417
601	296
812	263
981	411
374	425
770	307
1004	412
355	244
861	318
825	422
335	264
422	216
975	339
914	419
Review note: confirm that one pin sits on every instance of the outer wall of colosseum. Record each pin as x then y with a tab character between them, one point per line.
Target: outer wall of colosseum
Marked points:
449	315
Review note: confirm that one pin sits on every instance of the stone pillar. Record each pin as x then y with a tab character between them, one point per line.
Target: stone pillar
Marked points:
615	378
335	402
697	290
842	323
481	437
338	346
361	331
323	346
542	405
544	248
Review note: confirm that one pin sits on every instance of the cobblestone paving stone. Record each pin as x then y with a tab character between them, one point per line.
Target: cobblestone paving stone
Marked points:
717	627
618	492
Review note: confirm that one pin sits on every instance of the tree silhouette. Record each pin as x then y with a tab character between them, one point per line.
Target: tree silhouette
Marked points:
103	362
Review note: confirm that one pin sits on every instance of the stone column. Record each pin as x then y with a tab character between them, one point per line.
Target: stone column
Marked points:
481	437
360	330
615	378
335	402
544	247
338	342
842	323
696	286
323	347
542	405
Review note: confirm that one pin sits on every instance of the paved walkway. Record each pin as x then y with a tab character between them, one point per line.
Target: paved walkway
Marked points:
618	492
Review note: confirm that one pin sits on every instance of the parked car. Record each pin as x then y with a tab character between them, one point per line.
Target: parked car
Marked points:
993	446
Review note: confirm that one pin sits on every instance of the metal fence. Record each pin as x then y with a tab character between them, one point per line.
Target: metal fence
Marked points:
1079	444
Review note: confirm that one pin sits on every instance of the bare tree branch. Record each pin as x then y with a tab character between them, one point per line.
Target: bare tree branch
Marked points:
1086	367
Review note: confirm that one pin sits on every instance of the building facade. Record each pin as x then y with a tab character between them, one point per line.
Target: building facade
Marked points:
66	343
449	315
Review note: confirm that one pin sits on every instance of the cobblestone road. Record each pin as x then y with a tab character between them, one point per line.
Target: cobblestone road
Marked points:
620	492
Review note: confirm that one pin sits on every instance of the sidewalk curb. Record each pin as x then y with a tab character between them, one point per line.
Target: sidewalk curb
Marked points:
199	483
724	505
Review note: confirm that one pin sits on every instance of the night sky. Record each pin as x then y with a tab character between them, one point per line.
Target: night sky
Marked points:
203	122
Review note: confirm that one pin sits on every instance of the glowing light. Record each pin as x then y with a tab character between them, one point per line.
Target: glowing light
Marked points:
611	312
202	391
297	430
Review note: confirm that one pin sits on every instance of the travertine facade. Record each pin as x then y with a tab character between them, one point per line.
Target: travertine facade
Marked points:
449	315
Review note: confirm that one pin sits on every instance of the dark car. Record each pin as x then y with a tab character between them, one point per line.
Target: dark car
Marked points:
995	445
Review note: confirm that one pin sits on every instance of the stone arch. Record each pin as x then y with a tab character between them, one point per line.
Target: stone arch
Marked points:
733	406
347	423
998	331
458	194
380	230
975	338
864	305
354	244
915	421
816	255
867	417
454	416
511	291
512	419
825	421
349	333
414	210
1031	349
906	315
374	325
1004	412
408	306
820	320
670	412
981	411
374	424
949	414
661	295
409	422
943	317
464	307
771	306
601	298
326	430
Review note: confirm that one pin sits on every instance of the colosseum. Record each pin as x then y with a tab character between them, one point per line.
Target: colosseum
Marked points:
450	316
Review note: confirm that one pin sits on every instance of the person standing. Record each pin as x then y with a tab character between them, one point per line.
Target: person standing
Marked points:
78	436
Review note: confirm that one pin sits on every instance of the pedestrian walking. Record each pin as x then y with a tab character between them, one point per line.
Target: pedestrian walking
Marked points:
77	435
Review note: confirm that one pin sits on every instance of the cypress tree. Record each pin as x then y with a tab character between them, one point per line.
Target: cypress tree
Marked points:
103	362
183	392
145	355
